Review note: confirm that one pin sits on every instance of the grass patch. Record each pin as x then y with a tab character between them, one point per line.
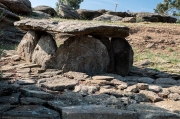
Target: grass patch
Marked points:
161	62
8	46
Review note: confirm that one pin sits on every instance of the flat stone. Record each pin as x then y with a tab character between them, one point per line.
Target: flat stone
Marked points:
31	87
7	75
98	82
68	99
107	78
164	93
7	89
26	81
31	112
116	103
30	66
7	68
139	97
148	111
74	27
7	53
133	89
35	93
119	84
118	77
96	112
151	95
24	70
170	105
86	90
32	101
131	78
12	99
168	81
76	75
162	75
97	99
127	101
4	108
155	88
145	80
174	96
59	84
16	58
174	89
142	86
110	91
49	74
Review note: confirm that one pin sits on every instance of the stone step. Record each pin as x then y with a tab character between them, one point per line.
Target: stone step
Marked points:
96	112
31	112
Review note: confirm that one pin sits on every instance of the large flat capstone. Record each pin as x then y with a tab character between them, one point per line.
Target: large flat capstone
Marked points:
74	27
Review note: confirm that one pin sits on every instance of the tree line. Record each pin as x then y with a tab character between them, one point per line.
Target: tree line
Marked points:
75	4
167	7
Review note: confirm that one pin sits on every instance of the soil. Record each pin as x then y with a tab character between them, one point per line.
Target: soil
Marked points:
157	42
155	37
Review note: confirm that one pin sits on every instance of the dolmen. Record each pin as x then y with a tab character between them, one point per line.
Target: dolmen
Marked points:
89	47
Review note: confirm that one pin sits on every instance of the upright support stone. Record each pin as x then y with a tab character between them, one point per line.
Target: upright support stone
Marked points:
82	54
123	55
27	45
106	41
44	51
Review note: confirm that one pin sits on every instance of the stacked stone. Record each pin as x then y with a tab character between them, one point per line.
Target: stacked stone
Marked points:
27	91
90	48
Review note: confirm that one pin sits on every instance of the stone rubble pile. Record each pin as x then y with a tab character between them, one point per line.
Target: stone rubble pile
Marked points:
27	91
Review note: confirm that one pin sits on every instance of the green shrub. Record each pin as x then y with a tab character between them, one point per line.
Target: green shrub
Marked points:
178	21
139	19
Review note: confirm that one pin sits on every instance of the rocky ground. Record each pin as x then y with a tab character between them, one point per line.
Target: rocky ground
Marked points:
150	91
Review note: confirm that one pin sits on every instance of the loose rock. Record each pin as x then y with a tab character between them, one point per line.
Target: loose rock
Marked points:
58	84
151	95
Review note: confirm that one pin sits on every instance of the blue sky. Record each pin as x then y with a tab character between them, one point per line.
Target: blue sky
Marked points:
123	5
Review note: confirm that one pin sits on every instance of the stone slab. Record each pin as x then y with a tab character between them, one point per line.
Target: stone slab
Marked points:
31	112
4	108
11	99
59	84
96	112
173	106
74	27
35	93
107	78
148	111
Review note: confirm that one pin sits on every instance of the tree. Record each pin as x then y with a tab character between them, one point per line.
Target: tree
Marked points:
75	4
168	7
